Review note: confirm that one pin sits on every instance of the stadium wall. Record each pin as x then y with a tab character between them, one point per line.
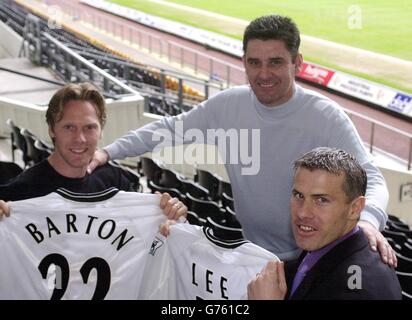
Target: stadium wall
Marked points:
11	42
400	201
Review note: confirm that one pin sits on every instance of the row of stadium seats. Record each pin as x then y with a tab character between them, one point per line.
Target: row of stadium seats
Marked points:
399	236
134	74
33	149
207	196
165	107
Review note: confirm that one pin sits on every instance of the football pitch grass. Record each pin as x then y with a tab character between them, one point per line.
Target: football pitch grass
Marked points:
376	25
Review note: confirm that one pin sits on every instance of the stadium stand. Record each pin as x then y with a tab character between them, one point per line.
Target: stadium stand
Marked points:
195	195
164	90
401	242
405	279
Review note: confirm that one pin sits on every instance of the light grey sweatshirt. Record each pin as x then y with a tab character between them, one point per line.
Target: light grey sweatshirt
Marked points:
260	164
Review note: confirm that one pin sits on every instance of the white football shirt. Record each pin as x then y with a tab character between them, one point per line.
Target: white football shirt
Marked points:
77	246
191	263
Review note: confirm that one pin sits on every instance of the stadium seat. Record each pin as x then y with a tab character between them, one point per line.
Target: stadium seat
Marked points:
209	181
18	142
404	263
151	170
406	250
405	279
168	178
204	208
35	153
227	201
392	217
43	149
225	187
400	228
394	245
175	193
399	237
396	224
395	219
224	232
195	189
230	219
8	170
193	218
131	175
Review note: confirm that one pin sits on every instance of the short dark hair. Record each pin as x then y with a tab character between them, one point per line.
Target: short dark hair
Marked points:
82	91
274	27
336	161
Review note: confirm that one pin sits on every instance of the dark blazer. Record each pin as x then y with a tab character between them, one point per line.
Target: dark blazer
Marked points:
331	277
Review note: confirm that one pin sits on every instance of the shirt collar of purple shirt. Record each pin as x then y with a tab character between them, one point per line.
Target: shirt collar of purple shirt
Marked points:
313	256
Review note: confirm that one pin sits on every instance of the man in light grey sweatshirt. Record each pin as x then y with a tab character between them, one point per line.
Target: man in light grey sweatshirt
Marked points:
275	121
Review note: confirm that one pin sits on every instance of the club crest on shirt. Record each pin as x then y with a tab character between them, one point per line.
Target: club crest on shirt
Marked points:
156	244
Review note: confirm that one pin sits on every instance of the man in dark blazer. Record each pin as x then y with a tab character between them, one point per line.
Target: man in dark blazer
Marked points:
336	263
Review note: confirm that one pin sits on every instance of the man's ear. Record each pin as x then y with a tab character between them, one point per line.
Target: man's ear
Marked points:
51	133
357	206
298	63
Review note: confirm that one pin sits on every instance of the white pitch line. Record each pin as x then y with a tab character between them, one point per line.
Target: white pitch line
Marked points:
241	22
308	39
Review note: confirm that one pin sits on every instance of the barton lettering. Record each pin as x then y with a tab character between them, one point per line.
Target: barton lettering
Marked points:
105	230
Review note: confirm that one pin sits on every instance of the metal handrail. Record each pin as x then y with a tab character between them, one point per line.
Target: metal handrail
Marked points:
375	123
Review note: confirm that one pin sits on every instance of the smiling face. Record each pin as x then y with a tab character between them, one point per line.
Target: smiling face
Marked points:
320	209
271	71
75	137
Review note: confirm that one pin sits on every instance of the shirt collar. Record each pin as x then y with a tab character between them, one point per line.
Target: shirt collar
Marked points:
319	253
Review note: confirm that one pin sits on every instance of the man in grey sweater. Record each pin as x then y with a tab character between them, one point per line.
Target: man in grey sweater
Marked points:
275	120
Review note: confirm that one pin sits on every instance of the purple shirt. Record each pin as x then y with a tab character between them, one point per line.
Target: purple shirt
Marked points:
312	257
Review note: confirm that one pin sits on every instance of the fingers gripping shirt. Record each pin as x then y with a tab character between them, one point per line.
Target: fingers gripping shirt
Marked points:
77	246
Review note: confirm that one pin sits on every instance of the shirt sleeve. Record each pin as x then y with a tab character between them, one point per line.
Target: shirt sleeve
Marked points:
168	131
345	136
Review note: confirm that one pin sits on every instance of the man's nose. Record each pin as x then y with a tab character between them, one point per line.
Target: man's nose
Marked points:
264	72
305	210
80	136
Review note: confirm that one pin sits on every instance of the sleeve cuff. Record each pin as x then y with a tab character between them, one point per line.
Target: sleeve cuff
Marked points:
369	217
